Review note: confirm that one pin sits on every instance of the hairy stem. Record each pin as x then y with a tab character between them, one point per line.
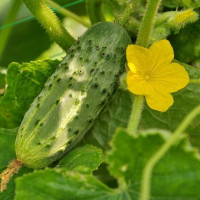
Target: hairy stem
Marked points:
147	23
67	13
142	40
135	114
5	33
147	173
50	22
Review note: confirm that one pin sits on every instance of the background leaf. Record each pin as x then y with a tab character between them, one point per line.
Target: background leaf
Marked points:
53	185
83	159
116	114
7	146
7	152
176	176
26	42
186	43
24	82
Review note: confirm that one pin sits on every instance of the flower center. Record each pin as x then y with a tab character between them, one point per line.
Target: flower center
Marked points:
147	77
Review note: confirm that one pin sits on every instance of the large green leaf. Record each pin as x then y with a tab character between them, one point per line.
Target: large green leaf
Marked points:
83	159
52	185
176	176
118	111
24	82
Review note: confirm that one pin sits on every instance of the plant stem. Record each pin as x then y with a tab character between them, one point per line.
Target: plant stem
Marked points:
50	22
147	23
135	114
195	81
142	40
147	173
67	13
94	9
5	33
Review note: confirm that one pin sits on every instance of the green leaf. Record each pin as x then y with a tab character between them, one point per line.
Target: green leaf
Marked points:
7	152
84	159
176	176
116	114
24	82
53	185
7	146
186	43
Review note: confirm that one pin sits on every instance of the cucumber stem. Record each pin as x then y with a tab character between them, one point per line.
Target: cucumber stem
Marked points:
7	174
147	23
67	13
142	40
50	22
135	114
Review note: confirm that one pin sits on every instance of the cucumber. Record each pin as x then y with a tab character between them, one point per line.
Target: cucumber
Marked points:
73	96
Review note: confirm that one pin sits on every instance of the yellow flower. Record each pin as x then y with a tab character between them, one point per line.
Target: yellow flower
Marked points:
153	75
185	15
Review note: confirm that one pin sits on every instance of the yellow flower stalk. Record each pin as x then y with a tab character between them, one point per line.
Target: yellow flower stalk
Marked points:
153	75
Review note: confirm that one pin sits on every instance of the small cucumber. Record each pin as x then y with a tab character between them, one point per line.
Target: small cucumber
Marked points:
73	96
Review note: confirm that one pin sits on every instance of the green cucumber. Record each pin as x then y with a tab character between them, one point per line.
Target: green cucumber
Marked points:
73	96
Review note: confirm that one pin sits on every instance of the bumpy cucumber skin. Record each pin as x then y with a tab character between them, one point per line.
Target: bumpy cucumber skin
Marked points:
73	96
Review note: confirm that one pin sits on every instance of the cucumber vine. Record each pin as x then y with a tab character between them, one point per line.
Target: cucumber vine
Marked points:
50	22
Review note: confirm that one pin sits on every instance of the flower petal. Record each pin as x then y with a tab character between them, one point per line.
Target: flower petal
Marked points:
137	85
170	78
160	101
137	57
162	53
